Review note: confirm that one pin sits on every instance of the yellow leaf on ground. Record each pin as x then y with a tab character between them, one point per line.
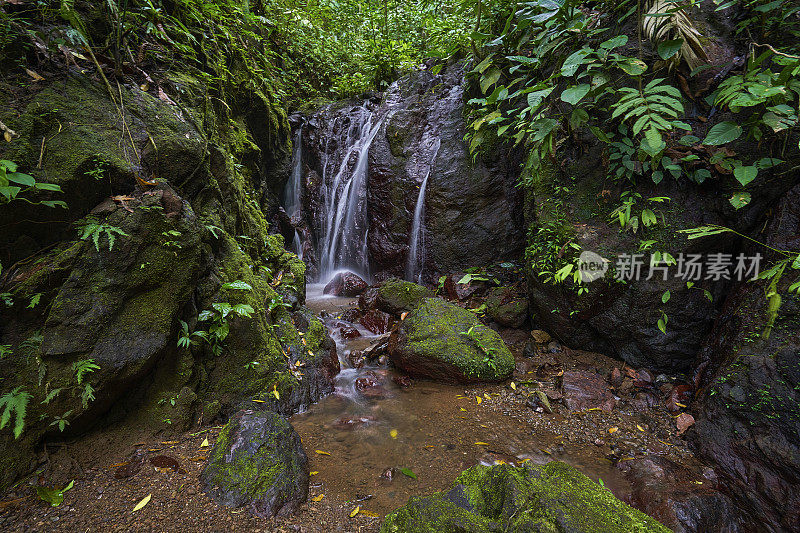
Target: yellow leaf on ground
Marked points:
205	443
355	511
482	443
369	514
463	409
393	433
259	401
613	430
640	428
320	452
485	395
478	399
318	498
34	75
314	473
513	385
144	502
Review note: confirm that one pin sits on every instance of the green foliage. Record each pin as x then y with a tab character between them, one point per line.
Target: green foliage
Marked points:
18	186
93	229
14	403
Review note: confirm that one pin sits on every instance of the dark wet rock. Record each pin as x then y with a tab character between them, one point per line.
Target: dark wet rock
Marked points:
258	462
585	389
644	401
376	321
344	330
469	203
396	296
445	342
550	497
368	299
679	394
531	349
540	337
345	284
644	379
748	422
684	500
506	307
378	348
615	378
404	382
371	385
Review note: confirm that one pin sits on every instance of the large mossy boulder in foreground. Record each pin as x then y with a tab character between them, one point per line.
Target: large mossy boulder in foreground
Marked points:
547	498
258	463
442	341
397	296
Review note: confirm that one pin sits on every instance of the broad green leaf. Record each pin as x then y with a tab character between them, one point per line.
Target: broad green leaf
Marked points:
573	95
723	133
614	42
739	200
745	174
21	179
667	49
237	285
489	79
408	472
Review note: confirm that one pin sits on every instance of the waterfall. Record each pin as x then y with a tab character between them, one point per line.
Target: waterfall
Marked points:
344	242
416	245
291	200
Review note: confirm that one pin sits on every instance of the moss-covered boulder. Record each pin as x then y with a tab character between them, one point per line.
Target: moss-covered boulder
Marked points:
442	341
258	462
548	498
397	296
506	307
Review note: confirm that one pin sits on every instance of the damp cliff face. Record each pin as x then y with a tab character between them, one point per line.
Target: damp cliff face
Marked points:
389	187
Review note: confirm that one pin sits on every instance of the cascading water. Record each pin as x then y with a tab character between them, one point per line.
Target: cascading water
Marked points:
291	199
416	245
344	240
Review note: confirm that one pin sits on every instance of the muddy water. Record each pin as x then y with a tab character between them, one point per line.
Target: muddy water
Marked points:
432	430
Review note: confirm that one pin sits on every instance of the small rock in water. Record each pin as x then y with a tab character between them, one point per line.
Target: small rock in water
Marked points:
345	284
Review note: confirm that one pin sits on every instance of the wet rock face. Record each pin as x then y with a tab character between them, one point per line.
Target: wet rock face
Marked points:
345	284
748	423
551	497
506	307
258	463
442	341
679	498
472	210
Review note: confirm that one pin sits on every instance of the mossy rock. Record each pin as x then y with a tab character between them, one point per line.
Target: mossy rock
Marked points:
506	307
553	497
397	296
442	341
258	462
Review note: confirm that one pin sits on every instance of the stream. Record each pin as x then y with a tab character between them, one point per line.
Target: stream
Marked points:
432	430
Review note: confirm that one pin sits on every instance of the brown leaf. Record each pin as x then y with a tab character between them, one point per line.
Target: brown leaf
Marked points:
164	461
684	422
34	75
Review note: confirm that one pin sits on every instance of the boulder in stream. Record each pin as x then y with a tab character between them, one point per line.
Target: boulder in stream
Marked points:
258	463
550	497
396	296
345	284
442	341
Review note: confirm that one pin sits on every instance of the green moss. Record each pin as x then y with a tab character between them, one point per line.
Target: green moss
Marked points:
553	497
398	296
441	331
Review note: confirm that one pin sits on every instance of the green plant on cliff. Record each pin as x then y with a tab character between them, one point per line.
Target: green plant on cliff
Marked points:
15	185
14	404
92	228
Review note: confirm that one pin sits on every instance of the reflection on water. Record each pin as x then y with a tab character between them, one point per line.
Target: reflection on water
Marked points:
373	429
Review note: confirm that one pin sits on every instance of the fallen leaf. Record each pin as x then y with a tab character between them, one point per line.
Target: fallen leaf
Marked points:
613	430
463	409
205	443
485	395
513	385
355	511
314	473
317	498
408	472
144	502
684	422
640	428
34	75
404	315
369	514
164	462
320	452
393	433
478	399
479	443
259	401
